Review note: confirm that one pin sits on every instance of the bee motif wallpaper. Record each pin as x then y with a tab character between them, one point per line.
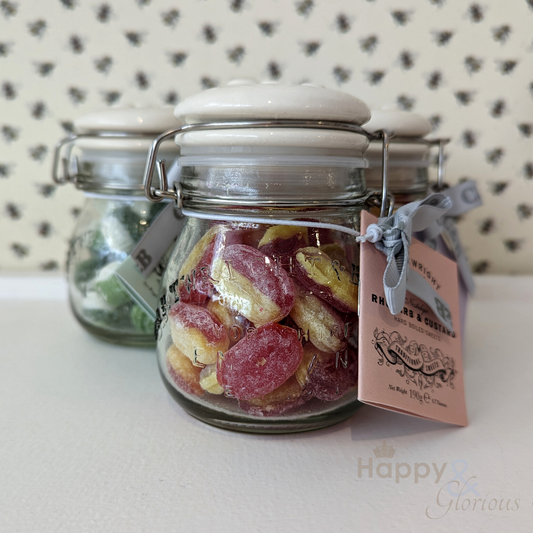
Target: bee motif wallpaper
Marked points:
465	65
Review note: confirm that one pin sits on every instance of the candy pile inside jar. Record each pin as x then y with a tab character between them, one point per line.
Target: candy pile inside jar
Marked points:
265	317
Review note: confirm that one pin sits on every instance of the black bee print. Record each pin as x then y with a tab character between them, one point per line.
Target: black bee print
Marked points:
103	64
37	28
525	129
208	83
495	155
524	211
401	17
502	33
369	44
435	121
38	110
69	4
76	44
267	28
342	23
473	64
20	250
375	76
434	80
9	9
406	60
75	212
50	265
170	17
177	58
135	38
45	68
10	133
341	74
235	55
487	226
13	211
236	5
475	13
209	34
465	97
9	91
46	189
274	70
442	38
4	49
142	81
531	88
468	139
44	229
171	98
111	97
77	95
530	3
481	267
513	245
103	13
304	7
5	170
507	66
311	48
498	108
528	170
405	102
144	3
437	2
68	126
498	187
38	153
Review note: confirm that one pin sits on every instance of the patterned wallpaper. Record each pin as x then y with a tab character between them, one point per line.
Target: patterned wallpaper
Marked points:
467	66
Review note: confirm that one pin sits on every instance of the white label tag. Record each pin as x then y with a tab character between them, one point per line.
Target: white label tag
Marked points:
163	231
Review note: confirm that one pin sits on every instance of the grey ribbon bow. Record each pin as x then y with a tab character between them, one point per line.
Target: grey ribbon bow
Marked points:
392	236
464	197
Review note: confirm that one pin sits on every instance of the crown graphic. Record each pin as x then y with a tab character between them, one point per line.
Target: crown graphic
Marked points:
384	451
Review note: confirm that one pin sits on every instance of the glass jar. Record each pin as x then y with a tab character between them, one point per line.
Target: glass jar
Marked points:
257	326
106	160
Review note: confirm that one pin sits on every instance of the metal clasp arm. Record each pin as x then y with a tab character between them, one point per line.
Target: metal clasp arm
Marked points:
152	193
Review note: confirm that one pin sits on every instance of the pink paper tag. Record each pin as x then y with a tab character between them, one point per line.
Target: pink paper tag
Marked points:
409	362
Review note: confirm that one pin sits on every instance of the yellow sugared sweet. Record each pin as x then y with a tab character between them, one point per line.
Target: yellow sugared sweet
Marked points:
208	380
183	372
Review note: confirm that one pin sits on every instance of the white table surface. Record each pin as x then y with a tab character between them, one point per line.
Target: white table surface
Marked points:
90	440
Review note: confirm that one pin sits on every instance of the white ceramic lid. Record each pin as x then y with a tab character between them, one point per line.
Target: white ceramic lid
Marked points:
130	119
243	100
247	100
403	123
144	120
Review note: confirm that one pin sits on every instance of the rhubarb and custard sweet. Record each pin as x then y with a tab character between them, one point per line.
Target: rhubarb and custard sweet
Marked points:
184	374
197	333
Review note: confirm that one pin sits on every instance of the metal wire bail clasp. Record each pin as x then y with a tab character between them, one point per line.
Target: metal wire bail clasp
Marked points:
157	194
65	161
387	202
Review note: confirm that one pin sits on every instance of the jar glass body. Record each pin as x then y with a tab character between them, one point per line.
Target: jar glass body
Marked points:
257	328
106	233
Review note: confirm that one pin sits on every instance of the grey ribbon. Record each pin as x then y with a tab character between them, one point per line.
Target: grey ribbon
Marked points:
464	197
392	236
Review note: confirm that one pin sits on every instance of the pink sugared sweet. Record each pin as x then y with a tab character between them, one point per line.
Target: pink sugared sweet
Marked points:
285	398
252	285
316	271
260	363
327	376
281	242
197	333
183	373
